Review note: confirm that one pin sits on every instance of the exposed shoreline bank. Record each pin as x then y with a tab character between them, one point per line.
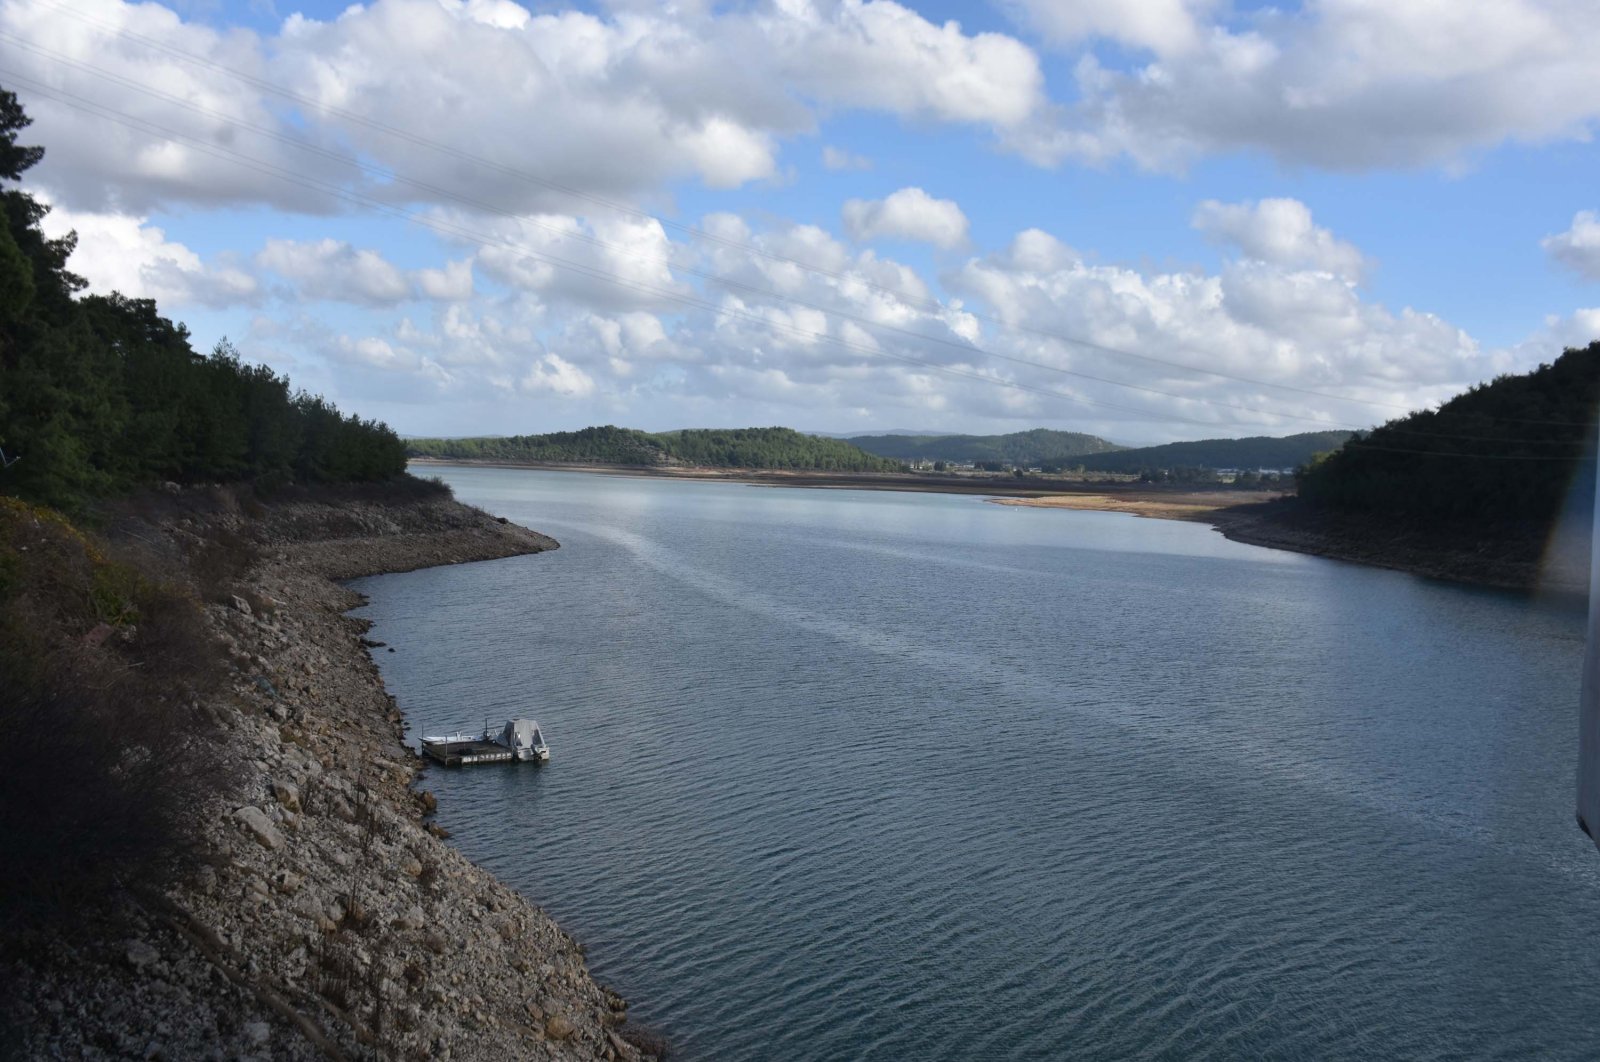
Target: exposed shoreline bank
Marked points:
1515	558
328	917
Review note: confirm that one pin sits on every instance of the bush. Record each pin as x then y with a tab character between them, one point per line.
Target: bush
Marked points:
109	754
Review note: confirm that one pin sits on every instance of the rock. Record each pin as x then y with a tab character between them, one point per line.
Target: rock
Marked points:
141	954
259	826
558	1028
257	1033
412	868
411	918
241	605
287	794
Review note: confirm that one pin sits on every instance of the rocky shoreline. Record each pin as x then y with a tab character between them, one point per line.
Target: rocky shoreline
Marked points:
328	917
1548	561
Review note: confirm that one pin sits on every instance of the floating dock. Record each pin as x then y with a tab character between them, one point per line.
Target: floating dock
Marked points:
458	753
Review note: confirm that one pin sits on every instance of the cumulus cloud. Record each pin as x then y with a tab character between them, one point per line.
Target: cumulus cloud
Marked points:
335	270
1339	84
1256	320
119	252
609	262
1279	231
909	214
1579	247
617	103
1162	26
808	329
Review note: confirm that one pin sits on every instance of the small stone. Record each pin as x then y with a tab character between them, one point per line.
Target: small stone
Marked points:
241	605
259	826
141	954
558	1028
411	918
257	1033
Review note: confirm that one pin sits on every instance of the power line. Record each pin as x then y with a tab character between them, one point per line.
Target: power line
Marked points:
92	107
130	121
623	208
714	278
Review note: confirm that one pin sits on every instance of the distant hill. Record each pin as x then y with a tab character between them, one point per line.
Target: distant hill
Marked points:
778	448
1261	451
1040	447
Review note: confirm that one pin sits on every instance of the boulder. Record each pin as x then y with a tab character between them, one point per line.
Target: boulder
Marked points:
287	794
260	827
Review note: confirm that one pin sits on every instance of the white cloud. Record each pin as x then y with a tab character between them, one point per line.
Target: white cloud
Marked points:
1279	231
337	271
1579	247
119	252
617	104
615	262
909	214
864	338
453	283
332	269
555	374
1257	320
1163	26
1342	84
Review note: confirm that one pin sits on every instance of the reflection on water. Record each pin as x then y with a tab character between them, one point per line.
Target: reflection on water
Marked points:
842	774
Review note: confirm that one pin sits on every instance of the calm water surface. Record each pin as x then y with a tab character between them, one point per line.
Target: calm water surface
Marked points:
842	774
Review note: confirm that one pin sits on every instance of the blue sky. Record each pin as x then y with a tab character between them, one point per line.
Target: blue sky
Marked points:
1149	219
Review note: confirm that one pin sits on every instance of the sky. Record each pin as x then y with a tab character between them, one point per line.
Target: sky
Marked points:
1145	219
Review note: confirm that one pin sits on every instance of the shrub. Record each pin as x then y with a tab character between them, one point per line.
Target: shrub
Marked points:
103	665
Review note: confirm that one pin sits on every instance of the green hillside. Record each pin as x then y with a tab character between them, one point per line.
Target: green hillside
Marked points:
1040	447
765	448
1260	451
1508	450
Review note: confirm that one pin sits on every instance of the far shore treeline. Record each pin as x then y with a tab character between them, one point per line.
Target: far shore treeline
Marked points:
766	448
101	394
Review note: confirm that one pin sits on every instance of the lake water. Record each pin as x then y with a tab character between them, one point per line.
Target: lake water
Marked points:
845	774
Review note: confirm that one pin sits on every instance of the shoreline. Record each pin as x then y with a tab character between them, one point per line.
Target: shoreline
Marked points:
328	916
1521	559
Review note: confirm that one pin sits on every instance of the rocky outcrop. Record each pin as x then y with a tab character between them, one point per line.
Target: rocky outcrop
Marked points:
329	917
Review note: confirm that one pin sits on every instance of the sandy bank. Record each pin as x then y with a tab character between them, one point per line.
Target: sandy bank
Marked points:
1156	504
328	919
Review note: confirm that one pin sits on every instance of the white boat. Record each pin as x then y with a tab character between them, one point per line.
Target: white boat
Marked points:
519	739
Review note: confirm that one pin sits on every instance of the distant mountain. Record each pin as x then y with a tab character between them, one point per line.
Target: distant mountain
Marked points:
1040	447
1261	451
701	447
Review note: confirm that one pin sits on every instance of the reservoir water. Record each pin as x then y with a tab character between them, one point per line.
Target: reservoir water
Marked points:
847	774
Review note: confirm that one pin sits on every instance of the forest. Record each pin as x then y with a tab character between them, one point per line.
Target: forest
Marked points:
765	448
1254	452
1040	447
1505	451
102	394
